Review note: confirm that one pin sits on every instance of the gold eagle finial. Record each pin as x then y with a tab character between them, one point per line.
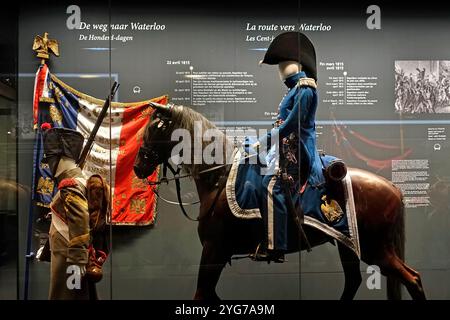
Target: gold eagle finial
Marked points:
44	46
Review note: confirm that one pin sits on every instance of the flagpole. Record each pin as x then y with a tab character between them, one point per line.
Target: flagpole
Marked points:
29	255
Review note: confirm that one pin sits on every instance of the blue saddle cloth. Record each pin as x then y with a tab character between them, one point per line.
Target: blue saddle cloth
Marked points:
313	198
245	193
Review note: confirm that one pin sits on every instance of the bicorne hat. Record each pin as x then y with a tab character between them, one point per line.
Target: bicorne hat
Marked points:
293	46
60	142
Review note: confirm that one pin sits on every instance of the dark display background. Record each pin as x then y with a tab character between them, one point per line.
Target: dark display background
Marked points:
162	262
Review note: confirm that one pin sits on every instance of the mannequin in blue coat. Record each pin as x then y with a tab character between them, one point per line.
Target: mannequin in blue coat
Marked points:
292	151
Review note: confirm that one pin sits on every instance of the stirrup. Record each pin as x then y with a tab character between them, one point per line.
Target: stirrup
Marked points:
266	255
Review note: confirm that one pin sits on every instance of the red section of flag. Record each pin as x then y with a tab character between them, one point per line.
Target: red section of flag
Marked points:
133	201
39	84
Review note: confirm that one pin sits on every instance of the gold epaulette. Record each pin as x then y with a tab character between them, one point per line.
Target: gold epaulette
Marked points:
307	82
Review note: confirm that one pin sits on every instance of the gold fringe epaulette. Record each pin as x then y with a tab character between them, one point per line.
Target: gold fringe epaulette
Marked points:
307	82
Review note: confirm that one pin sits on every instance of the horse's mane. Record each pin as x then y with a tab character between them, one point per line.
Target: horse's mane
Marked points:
185	118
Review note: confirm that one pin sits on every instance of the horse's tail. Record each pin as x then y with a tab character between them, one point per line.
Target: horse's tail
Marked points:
394	291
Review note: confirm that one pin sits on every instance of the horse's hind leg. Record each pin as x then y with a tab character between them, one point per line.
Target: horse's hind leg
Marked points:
212	263
415	273
352	273
392	266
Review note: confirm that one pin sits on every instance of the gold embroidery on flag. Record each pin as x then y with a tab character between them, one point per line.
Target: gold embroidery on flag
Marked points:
94	169
101	102
137	183
137	206
45	186
146	112
55	114
46	99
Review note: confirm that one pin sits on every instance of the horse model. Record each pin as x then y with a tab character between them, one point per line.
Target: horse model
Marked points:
378	203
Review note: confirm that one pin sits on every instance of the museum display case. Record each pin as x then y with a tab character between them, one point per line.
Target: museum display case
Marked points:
373	191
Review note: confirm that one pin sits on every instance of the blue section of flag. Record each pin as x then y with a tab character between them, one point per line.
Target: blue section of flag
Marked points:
68	104
63	112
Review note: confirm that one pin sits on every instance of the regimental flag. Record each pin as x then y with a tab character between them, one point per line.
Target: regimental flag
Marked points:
113	153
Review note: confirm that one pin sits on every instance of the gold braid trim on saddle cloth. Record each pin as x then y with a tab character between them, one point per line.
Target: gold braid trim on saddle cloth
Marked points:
307	82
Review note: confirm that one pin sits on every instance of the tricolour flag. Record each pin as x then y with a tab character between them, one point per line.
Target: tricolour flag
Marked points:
114	150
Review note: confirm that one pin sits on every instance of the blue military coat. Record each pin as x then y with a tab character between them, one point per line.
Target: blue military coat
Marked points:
296	114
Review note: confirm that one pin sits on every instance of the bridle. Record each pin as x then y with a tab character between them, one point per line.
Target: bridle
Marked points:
150	154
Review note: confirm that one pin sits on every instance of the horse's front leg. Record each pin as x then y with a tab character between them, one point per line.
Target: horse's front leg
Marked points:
352	273
212	263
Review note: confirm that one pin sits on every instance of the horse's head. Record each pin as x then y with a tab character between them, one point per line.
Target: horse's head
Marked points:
156	145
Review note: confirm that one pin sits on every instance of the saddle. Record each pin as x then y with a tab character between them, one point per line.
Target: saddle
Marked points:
332	215
334	171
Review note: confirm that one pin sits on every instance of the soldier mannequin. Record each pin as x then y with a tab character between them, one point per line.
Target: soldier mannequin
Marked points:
69	231
295	161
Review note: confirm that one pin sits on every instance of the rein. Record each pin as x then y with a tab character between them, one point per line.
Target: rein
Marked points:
177	177
166	180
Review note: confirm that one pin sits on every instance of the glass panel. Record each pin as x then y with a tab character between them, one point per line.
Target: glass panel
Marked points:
205	57
77	66
10	191
382	104
383	79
